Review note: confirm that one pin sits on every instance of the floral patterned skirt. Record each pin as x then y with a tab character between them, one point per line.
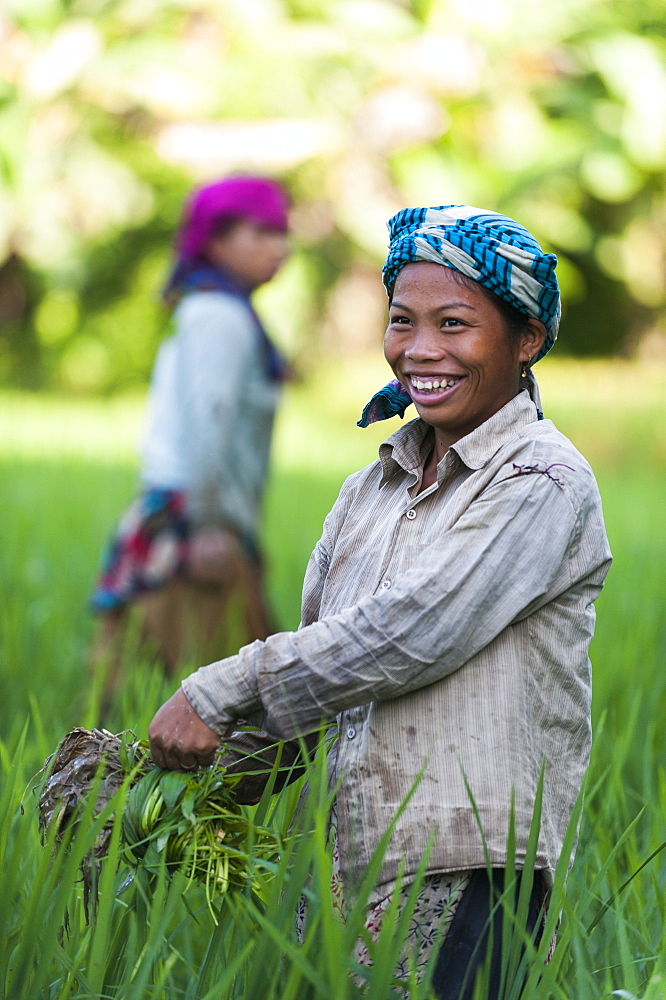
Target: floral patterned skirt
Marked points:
432	916
433	912
147	549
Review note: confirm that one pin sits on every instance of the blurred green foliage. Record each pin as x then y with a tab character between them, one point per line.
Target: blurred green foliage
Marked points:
110	110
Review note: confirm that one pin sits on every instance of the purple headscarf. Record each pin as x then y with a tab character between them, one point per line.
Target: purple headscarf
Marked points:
256	198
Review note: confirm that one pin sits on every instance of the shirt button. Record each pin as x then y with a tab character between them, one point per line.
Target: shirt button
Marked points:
386	584
351	733
411	514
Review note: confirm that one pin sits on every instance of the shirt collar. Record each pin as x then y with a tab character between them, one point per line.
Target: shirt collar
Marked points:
403	450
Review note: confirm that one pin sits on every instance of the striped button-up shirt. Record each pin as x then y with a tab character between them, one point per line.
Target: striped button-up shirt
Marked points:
447	631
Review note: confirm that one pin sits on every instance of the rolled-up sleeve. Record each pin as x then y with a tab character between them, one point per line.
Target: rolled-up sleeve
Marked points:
509	549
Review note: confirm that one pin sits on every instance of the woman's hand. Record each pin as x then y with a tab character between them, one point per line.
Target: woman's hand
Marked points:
179	739
214	557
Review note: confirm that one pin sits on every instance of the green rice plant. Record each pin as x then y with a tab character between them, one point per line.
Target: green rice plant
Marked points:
191	822
66	470
148	940
171	820
45	912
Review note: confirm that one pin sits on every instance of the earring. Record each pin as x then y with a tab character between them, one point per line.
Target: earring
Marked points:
526	365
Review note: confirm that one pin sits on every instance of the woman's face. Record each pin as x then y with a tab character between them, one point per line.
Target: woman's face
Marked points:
449	346
252	252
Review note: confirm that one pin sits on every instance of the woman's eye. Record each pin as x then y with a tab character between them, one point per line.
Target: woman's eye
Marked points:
451	321
398	320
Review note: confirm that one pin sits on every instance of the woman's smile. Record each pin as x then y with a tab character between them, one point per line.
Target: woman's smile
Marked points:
433	385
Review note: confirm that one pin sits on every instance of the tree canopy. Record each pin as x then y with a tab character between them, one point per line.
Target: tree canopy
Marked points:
110	111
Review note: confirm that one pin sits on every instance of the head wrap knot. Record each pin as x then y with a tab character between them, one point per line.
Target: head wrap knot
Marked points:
489	248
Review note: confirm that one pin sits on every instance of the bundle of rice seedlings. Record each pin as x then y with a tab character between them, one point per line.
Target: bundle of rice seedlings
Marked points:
86	761
192	823
179	821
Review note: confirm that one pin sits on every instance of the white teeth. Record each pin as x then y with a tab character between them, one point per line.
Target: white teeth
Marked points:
433	384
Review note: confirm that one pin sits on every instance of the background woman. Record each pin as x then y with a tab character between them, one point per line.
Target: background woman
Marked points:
190	541
448	606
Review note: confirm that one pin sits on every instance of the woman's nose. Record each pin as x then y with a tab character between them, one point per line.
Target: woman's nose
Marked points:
424	345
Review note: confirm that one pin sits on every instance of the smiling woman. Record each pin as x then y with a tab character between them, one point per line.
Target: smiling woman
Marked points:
447	614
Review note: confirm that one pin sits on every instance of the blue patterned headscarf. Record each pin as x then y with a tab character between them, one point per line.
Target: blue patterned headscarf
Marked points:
489	248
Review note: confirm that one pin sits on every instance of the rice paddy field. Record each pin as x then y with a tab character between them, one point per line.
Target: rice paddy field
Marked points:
67	467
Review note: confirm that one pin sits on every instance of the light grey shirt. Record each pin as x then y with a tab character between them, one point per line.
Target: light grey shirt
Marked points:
210	412
446	630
